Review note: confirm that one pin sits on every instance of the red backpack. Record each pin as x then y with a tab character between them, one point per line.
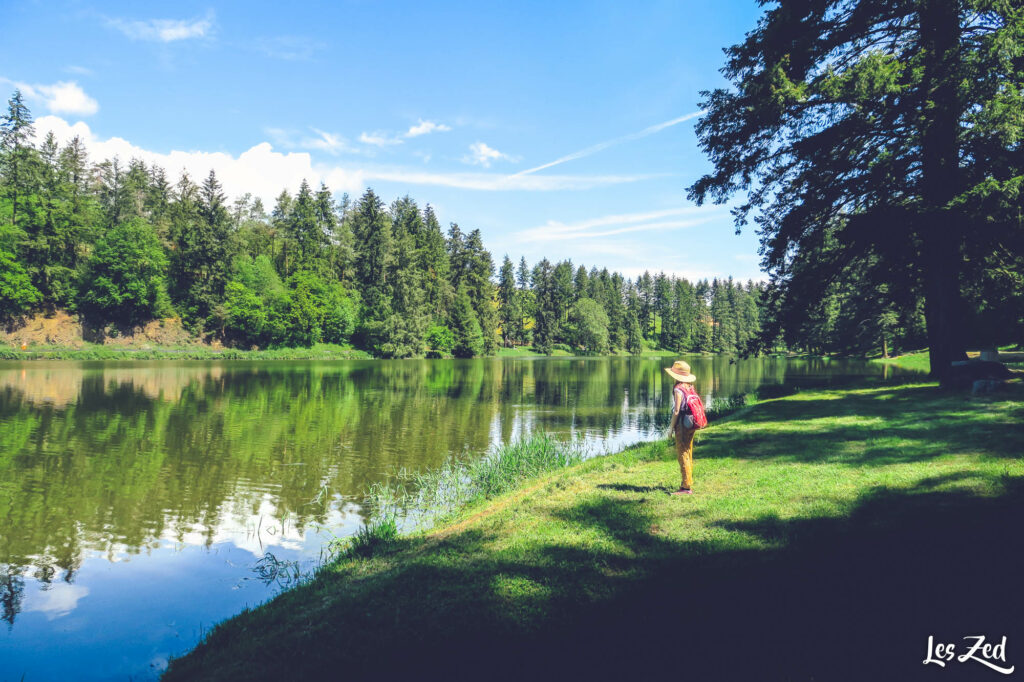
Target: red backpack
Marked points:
693	406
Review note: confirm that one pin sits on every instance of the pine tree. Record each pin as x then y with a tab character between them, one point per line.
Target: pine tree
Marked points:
17	162
560	296
279	233
469	340
406	328
480	269
374	257
439	294
580	284
508	301
524	300
545	315
645	300
664	308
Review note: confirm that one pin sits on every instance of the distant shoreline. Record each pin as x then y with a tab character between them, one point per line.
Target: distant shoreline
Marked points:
316	352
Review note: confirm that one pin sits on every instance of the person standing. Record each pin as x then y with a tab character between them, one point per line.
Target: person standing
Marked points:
683	426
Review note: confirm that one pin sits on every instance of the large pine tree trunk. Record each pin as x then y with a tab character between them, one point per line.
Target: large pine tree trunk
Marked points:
940	230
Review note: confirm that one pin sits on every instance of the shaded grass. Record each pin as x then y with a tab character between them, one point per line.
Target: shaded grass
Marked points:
831	533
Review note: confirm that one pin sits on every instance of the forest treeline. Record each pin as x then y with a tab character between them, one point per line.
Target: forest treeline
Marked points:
122	245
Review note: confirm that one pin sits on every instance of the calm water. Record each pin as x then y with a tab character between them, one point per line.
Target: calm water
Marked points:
138	499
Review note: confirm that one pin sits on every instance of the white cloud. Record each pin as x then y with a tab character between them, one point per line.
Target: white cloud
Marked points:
57	601
80	70
425	127
264	172
610	143
328	142
480	154
164	30
379	139
259	170
621	223
324	141
62	97
495	182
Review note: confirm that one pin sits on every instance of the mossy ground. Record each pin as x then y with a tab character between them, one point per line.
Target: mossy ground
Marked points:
830	534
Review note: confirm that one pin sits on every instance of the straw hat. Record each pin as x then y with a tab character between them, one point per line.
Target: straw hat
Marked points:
680	371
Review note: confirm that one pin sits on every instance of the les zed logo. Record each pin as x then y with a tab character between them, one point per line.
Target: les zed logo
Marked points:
981	651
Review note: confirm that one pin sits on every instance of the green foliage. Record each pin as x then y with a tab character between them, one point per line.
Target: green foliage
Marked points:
318	270
318	311
440	340
374	255
589	324
882	138
469	340
17	294
125	278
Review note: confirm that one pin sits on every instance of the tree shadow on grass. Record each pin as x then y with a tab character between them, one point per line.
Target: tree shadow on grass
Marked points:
834	598
885	426
627	488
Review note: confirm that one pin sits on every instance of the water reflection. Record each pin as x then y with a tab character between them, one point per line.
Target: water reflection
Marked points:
110	461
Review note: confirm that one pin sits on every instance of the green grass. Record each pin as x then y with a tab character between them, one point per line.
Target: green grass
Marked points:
917	361
320	351
425	498
831	532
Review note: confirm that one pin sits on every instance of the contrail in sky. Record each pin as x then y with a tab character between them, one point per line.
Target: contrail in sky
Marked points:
604	145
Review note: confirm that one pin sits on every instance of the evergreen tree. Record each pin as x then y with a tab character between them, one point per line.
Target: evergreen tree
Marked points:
433	263
305	227
645	303
581	284
885	126
524	300
374	257
281	246
480	270
560	296
664	309
508	302
17	156
546	324
405	330
469	340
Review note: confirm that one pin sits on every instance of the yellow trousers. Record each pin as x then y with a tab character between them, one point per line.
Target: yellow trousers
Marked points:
684	452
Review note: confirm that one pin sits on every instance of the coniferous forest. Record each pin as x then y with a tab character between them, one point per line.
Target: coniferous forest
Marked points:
121	244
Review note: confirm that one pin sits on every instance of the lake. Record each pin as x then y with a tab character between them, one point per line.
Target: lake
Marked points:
139	500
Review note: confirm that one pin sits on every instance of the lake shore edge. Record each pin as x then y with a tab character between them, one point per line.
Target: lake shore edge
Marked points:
549	569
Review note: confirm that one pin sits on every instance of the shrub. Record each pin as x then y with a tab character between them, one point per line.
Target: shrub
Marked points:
125	278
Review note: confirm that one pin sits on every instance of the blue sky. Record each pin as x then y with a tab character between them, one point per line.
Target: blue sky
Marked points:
557	128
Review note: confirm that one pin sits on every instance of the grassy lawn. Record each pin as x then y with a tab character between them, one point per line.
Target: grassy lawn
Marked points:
1008	355
832	532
